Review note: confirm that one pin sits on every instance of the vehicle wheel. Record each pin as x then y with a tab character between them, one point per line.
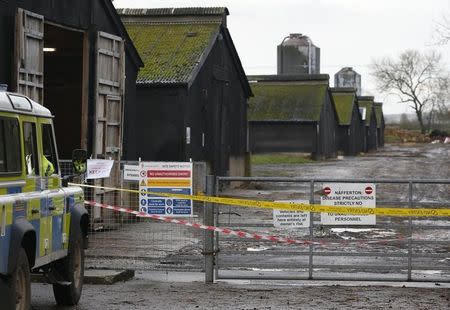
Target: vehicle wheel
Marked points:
20	282
71	269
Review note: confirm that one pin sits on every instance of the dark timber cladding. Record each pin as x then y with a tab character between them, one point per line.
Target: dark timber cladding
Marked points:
370	121
350	132
72	57
192	93
82	35
380	122
292	114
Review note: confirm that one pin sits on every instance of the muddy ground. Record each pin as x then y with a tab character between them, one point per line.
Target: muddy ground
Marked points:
143	293
144	245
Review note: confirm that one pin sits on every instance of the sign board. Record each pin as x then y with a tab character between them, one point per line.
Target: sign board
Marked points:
98	168
165	177
291	219
348	195
131	173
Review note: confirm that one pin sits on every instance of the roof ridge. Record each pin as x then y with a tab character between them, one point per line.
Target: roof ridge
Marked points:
143	22
180	11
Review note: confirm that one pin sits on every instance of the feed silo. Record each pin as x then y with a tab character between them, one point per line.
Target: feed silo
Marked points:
348	78
298	55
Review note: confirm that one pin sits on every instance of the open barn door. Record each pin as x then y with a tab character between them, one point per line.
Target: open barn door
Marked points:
109	113
29	55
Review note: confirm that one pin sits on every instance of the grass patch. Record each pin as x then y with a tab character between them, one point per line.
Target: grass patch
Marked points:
267	159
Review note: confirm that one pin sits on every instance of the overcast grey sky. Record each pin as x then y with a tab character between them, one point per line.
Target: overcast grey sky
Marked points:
348	32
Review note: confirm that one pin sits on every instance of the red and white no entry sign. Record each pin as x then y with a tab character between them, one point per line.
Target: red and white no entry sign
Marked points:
327	190
369	190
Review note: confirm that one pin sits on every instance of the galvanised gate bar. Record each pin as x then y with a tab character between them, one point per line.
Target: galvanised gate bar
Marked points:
395	249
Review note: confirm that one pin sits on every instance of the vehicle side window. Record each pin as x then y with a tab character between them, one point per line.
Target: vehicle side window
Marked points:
48	144
31	153
10	160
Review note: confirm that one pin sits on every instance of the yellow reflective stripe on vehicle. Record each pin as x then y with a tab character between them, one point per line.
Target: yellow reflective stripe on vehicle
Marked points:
58	203
66	229
30	185
45	236
34	204
3	191
9	214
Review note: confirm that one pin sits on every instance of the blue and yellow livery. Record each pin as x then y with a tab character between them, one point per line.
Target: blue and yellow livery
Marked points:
43	225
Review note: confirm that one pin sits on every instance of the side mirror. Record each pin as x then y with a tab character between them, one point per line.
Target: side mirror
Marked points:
79	161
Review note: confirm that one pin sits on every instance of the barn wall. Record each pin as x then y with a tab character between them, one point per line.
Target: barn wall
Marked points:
371	131
326	144
268	137
218	109
90	16
355	144
160	124
343	138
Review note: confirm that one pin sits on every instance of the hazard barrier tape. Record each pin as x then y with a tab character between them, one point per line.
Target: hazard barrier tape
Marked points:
419	212
237	233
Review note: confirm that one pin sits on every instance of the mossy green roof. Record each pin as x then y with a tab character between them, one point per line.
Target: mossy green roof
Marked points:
379	114
286	101
368	104
171	51
344	106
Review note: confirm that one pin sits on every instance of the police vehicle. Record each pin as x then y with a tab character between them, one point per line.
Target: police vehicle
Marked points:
43	225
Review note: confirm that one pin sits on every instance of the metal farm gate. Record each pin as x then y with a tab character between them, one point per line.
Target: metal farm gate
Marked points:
395	249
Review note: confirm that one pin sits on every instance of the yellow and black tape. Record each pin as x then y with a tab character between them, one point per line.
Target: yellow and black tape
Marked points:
416	212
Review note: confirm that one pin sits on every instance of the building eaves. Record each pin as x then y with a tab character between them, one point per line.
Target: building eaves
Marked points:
188	11
289	78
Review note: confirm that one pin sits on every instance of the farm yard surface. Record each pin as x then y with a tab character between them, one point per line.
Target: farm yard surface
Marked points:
150	246
145	293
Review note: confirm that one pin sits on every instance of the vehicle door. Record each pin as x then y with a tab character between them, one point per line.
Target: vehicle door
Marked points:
57	222
35	188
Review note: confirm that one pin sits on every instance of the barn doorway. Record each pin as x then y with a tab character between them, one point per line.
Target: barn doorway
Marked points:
64	90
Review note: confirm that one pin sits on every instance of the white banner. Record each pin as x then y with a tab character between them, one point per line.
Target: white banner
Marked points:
348	195
131	173
98	168
291	219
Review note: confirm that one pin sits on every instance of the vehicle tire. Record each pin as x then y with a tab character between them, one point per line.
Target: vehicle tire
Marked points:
20	282
71	269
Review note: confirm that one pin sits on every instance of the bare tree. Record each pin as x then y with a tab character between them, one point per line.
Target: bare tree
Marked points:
415	78
442	30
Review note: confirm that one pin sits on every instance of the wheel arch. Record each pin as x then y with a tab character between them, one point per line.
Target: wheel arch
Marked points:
23	235
79	223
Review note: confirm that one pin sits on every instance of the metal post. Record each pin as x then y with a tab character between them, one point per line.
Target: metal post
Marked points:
311	230
410	205
208	248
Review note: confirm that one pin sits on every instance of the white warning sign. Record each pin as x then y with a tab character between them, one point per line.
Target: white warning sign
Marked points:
348	195
291	219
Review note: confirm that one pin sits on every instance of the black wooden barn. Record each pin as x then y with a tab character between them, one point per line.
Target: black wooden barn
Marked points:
380	123
292	114
351	129
73	57
370	121
192	93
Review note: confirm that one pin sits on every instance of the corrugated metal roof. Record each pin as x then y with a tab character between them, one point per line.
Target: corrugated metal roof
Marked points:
174	11
286	101
171	51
